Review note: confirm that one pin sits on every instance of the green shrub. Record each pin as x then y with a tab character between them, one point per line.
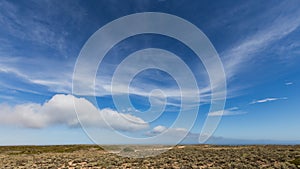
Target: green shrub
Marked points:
128	149
296	161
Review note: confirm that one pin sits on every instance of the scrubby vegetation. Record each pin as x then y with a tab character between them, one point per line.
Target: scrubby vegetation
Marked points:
296	162
128	149
14	150
192	156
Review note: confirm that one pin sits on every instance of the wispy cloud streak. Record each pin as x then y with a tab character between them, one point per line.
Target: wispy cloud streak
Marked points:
228	112
269	99
248	48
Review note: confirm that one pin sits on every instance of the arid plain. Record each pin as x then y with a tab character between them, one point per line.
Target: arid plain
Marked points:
187	156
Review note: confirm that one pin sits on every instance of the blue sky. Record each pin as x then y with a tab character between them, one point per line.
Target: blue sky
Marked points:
258	44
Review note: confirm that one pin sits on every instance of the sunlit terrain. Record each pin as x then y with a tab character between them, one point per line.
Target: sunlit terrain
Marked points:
187	156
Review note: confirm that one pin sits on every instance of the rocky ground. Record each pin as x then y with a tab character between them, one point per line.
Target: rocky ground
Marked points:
192	156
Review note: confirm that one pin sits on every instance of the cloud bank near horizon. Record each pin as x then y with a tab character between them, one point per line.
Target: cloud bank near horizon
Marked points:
59	110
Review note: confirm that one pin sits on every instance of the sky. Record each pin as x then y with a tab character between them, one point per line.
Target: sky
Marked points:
257	43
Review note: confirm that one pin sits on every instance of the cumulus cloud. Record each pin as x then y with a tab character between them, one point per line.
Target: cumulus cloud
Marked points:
172	135
59	110
268	100
175	132
159	129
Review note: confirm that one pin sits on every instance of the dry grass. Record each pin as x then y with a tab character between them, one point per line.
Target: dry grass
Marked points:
192	156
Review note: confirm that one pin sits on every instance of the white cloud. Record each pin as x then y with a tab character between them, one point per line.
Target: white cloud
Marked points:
60	78
246	49
42	31
174	132
44	28
56	80
229	112
159	129
268	100
288	83
233	59
59	110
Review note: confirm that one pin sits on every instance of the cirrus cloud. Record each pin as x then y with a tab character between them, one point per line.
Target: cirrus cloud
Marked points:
269	99
228	112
